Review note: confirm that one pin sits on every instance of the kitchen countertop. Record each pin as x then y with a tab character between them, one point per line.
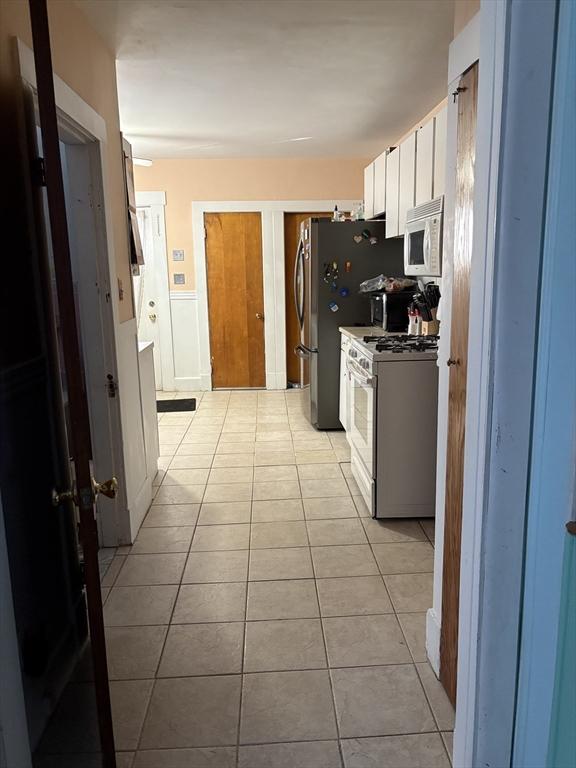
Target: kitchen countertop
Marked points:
357	331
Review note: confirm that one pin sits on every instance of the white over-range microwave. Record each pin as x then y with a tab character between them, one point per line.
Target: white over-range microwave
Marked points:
423	239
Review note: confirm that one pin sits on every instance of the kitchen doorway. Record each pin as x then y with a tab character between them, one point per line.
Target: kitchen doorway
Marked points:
234	270
292	223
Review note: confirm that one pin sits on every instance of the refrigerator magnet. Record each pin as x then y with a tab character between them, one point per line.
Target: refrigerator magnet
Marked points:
333	306
344	292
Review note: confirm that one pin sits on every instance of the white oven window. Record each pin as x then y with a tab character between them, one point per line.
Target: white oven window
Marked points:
362	404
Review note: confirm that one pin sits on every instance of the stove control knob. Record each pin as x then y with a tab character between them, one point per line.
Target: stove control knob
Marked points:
364	364
353	354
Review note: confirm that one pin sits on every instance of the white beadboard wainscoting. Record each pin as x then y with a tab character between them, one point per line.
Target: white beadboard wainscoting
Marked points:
186	342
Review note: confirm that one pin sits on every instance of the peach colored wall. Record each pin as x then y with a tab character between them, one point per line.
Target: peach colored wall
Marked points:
186	180
464	10
81	59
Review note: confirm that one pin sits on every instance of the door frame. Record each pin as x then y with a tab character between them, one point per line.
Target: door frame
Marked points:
82	123
516	45
272	215
155	204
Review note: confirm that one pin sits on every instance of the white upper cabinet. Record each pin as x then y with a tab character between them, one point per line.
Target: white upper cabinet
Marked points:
409	175
392	188
369	191
440	152
407	187
380	184
424	162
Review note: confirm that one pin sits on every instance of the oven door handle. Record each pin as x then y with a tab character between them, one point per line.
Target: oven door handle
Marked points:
367	381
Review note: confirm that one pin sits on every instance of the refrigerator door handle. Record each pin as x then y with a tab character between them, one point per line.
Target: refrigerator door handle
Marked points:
304	352
298	278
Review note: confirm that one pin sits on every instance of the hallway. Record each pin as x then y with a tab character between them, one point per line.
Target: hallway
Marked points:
262	619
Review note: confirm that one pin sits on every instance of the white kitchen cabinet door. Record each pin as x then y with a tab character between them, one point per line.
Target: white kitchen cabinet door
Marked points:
380	184
392	189
407	187
440	152
424	162
369	191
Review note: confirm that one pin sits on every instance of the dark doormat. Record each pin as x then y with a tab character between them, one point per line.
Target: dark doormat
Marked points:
164	406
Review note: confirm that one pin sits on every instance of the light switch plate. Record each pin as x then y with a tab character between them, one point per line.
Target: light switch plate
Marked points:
179	278
177	255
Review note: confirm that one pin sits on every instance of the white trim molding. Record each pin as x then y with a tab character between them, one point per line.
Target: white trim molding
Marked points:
183	295
146	199
272	213
516	62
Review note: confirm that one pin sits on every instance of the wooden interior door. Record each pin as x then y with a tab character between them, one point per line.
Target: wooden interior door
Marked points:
458	362
235	299
292	223
82	488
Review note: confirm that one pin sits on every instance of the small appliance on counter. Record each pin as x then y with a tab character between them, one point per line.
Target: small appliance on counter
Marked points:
389	311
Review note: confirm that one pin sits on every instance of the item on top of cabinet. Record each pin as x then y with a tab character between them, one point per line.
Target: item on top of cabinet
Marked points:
357	213
337	216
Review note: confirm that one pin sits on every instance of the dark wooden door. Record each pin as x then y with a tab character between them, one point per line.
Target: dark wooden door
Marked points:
80	489
463	231
292	223
235	299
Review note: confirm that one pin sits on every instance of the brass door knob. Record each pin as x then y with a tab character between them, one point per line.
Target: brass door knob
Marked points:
58	497
259	316
152	317
108	488
451	361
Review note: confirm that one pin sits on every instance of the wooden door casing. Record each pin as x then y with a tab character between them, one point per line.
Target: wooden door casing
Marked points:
292	223
462	258
235	299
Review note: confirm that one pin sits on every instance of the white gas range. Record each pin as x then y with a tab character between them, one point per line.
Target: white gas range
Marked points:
393	402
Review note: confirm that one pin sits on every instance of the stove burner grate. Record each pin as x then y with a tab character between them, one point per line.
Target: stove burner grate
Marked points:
403	343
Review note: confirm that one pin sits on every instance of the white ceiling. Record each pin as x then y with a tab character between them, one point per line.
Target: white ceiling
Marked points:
244	78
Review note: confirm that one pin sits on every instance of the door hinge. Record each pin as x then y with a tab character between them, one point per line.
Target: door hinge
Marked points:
112	385
205	233
39	171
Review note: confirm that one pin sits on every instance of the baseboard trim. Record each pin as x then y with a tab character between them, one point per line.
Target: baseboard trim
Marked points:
139	509
433	639
188	383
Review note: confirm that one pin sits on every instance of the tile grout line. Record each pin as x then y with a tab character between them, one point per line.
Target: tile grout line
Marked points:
330	682
163	647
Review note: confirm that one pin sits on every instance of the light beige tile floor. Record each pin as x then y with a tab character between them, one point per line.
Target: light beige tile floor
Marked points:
270	620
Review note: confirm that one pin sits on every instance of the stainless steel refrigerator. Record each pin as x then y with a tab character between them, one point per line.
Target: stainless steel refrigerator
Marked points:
333	258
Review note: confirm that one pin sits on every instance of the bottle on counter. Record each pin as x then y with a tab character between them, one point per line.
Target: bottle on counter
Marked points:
336	214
